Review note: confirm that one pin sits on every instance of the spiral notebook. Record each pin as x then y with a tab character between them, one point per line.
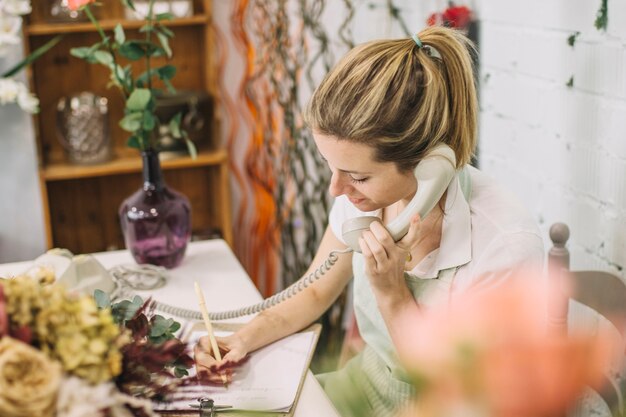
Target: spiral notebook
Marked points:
268	384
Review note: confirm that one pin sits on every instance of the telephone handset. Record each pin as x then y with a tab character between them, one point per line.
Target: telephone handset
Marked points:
433	174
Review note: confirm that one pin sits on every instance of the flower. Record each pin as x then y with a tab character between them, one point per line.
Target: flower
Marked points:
76	4
11	90
29	380
475	356
140	90
458	17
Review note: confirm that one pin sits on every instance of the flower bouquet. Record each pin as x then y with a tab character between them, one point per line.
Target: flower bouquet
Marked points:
63	354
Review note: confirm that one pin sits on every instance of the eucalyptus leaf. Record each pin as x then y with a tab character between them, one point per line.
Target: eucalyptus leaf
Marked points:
131	122
120	36
191	148
102	299
132	50
174	126
81	52
166	72
146	28
149	121
165	31
165	44
133	142
138	99
130	4
169	85
164	16
103	57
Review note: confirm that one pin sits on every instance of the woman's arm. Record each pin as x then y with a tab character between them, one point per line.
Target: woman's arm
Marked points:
290	315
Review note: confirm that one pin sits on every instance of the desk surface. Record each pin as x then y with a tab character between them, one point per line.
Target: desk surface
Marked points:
226	286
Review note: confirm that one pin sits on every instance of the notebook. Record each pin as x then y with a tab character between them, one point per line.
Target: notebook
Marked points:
269	383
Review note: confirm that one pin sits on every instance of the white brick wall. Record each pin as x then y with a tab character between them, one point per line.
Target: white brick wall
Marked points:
561	149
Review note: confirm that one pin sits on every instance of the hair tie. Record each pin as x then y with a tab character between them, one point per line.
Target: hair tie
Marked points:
417	41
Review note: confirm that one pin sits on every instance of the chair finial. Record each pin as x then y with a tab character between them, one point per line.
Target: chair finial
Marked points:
559	234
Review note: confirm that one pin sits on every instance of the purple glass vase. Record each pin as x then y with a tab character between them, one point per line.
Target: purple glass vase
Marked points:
156	220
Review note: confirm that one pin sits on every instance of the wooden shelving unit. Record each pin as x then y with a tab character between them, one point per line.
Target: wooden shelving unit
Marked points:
81	201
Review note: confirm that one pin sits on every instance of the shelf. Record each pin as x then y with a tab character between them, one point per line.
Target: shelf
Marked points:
40	29
127	165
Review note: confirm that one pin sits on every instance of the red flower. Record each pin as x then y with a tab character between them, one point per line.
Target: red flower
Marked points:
77	4
458	17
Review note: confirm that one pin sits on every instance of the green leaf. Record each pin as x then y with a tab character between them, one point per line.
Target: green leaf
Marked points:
174	126
180	372
165	31
132	122
164	16
571	39
139	99
133	142
191	148
103	57
570	82
120	37
102	299
149	121
82	52
160	326
169	86
602	17
129	3
132	50
165	44
146	28
166	72
174	327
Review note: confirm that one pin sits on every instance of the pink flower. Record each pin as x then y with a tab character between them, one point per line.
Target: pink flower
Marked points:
77	4
494	352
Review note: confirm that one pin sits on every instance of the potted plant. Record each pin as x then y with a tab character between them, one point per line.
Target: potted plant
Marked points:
155	220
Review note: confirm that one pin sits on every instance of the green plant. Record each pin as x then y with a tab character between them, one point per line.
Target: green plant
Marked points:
138	90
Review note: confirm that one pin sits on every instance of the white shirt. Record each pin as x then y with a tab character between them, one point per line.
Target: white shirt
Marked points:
487	238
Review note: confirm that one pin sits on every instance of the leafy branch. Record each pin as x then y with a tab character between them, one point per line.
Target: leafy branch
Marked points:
138	91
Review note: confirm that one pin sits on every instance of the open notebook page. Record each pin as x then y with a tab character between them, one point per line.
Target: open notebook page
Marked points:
268	381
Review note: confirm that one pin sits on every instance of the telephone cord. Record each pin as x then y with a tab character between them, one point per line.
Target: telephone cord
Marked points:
121	274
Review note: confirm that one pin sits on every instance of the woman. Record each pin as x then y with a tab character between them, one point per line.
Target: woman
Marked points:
374	117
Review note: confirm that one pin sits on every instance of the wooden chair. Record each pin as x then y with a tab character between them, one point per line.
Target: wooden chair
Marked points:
603	293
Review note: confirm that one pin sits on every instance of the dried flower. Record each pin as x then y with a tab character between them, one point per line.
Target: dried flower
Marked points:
85	340
29	380
69	328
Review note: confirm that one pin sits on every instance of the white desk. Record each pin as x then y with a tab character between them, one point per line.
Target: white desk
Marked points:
226	286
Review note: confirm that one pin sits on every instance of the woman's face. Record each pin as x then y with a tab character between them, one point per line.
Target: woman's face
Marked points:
368	184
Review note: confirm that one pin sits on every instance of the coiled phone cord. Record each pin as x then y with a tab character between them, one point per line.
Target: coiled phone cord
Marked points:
121	274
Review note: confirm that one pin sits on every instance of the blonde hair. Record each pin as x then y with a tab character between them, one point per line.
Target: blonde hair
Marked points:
402	99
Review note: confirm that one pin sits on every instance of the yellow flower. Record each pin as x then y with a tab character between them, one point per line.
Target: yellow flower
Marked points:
29	380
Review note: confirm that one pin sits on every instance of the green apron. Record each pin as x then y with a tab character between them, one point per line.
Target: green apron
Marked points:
373	383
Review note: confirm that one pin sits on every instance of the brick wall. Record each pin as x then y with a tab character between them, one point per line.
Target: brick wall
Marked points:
561	148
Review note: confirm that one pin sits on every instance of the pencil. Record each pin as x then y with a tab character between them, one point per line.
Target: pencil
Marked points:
209	329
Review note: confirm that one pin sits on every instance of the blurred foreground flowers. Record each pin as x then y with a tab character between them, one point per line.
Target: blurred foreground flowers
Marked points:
68	355
491	353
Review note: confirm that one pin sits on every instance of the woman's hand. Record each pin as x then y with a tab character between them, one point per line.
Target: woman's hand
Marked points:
385	259
233	354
